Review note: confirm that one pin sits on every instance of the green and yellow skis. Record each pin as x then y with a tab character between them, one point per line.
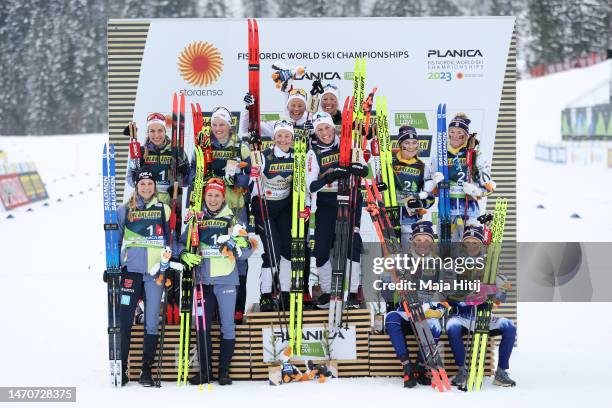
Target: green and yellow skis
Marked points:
483	314
298	245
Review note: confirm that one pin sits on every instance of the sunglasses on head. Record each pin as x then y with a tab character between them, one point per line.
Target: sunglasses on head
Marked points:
297	91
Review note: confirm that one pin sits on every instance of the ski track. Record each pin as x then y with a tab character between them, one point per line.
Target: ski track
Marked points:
54	259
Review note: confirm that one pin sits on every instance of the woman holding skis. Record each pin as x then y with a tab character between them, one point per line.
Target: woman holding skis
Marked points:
144	239
322	174
397	323
229	160
157	157
223	242
462	319
273	189
469	180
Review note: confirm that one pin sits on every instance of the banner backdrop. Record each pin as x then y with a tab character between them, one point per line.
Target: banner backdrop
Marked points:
415	62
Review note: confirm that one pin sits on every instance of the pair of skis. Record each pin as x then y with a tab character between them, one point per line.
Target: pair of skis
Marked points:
342	230
298	245
444	213
483	312
255	147
113	269
409	299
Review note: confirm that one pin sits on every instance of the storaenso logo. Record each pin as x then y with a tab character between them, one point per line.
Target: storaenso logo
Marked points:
321	75
453	53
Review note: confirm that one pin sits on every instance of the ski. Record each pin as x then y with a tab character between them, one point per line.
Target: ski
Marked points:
444	216
178	140
298	245
483	311
113	270
341	242
409	300
193	219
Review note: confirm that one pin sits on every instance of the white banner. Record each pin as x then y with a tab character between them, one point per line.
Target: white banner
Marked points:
317	343
415	62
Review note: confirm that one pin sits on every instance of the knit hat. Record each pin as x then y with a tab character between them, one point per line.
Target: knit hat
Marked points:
144	175
283	125
322	117
156	118
473	231
422	228
297	93
222	113
461	121
407	133
331	89
215	184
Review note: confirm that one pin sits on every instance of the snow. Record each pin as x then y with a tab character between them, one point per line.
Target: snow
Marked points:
582	187
54	304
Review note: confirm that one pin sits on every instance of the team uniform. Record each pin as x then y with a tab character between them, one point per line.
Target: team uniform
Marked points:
462	321
218	273
322	173
480	184
276	183
143	235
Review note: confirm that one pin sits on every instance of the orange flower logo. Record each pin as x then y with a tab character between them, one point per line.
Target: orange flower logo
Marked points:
200	63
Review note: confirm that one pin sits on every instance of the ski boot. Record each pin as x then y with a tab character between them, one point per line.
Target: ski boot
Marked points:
461	377
409	380
148	354
265	302
225	359
323	301
422	375
353	301
503	379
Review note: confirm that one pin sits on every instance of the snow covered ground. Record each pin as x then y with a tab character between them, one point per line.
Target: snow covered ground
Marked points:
562	189
54	307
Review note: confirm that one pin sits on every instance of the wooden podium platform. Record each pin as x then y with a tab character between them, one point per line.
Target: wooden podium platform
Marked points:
375	355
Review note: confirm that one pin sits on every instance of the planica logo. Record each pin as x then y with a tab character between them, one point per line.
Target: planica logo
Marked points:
453	53
321	75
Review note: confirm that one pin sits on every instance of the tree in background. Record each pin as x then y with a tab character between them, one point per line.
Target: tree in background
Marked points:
53	67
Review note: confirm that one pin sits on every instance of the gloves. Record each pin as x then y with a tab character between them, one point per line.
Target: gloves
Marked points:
437	177
254	138
336	174
305	214
133	164
358	169
414	203
308	125
472	190
249	99
433	313
190	259
183	167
